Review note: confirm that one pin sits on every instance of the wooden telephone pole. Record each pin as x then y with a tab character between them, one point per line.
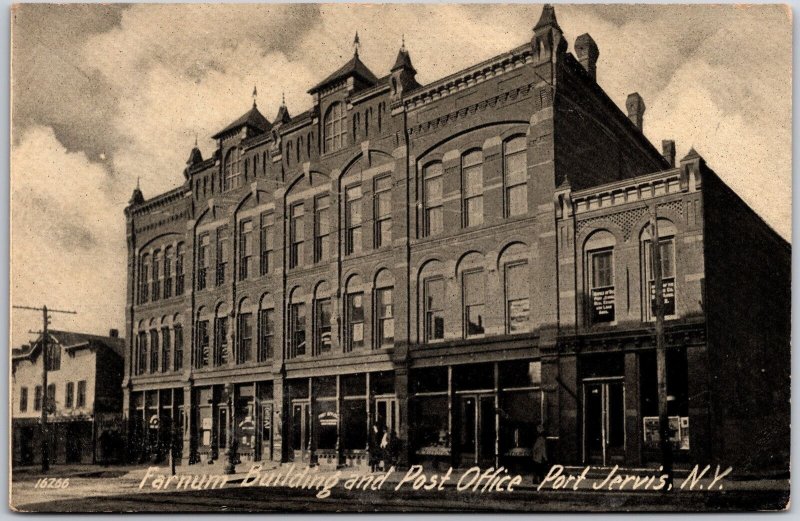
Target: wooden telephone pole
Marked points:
661	350
43	430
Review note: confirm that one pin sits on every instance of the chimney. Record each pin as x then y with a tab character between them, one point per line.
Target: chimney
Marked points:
587	52
635	105
668	151
113	333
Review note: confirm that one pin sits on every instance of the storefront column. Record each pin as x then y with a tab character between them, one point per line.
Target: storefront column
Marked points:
280	420
401	392
454	449
496	415
633	421
312	420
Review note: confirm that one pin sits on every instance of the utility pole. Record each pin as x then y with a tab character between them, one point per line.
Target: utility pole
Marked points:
43	430
661	350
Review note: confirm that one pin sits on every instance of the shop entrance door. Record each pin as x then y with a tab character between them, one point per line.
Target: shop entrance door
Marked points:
604	421
478	431
386	413
301	439
265	439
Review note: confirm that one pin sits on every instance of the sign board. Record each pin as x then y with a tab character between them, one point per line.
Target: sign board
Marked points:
652	437
247	424
207	424
154	421
328	418
603	304
668	285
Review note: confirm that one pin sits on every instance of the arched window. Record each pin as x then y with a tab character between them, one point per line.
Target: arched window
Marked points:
354	314
179	276
144	278
666	241
472	188
384	310
599	262
168	260
323	313
288	153
156	277
177	364
515	177
297	326
232	169
335	129
154	350
432	200
202	347
141	348
266	329
166	346
244	333
221	355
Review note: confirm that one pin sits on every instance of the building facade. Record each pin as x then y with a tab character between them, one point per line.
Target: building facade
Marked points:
458	262
83	397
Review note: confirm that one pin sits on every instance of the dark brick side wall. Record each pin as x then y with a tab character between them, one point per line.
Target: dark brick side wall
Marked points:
108	383
748	307
595	141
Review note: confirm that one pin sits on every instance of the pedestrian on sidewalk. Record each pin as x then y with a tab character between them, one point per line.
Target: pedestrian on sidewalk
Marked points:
375	438
539	455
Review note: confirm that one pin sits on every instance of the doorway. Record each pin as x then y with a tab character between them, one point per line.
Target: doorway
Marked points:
301	433
387	414
265	439
478	432
604	421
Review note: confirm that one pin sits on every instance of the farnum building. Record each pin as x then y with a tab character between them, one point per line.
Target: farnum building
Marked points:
458	261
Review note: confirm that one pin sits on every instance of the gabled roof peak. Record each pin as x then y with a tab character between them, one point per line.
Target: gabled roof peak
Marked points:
548	18
252	118
354	67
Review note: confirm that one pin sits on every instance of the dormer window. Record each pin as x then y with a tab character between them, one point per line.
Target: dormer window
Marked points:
232	170
335	128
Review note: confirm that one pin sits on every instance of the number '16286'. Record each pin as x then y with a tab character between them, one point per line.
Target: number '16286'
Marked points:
52	483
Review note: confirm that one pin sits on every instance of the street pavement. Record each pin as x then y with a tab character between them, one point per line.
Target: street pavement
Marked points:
115	489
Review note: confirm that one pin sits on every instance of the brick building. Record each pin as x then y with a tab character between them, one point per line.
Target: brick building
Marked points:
84	391
459	262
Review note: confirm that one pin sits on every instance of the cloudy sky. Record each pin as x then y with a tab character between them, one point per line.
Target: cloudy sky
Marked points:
105	94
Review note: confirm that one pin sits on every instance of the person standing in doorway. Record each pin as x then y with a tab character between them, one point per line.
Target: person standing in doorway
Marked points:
539	455
375	438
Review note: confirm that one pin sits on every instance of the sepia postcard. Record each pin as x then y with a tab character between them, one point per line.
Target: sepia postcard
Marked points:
400	258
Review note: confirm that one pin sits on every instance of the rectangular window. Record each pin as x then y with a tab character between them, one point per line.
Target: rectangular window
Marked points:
245	248
223	249
383	211
322	228
515	177
23	399
81	402
297	321
385	317
353	239
221	341
166	349
322	326
602	286
667	252
53	356
50	402
141	364
245	338
178	363
472	188
432	200
153	351
474	286
517	298
434	309
296	235
37	398
202	351
179	258
267	242
203	260
354	310
69	397
266	330
156	276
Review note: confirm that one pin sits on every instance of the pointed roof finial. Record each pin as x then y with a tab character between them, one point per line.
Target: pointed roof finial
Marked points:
283	98
356	44
195	140
137	183
548	18
403	43
255	95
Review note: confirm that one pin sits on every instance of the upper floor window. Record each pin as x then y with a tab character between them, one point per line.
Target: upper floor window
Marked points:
322	228
601	289
23	399
53	356
232	169
383	211
202	345
515	183
433	296
245	248
69	395
296	235
267	242
37	398
432	199
266	334
156	275
474	294
335	128
179	275
81	401
223	249
168	259
354	321
245	337
323	313
203	260
144	278
221	340
166	349
153	368
384	317
517	297
50	402
141	346
472	188
666	241
297	330
352	217
178	360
